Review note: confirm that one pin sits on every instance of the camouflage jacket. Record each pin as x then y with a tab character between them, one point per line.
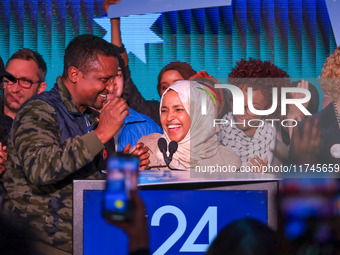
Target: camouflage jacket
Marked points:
48	148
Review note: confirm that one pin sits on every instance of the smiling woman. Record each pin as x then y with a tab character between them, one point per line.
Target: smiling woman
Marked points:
174	117
183	122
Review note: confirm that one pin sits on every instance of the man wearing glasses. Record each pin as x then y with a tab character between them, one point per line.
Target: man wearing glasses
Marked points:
23	78
29	68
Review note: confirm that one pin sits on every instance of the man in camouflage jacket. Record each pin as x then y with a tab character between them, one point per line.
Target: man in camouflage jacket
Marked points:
51	143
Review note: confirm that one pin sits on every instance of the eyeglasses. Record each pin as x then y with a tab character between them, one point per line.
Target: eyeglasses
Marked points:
23	82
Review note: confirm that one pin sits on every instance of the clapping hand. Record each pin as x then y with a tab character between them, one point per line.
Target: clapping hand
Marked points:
3	158
307	144
258	164
142	152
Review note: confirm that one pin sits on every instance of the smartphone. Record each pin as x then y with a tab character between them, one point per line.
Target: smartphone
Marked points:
122	177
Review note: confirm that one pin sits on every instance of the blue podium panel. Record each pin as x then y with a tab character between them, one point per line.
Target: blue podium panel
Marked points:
180	221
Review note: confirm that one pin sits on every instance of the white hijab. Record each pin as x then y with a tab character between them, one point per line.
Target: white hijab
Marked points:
201	140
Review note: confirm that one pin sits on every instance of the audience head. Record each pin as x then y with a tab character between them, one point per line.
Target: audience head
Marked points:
4	73
251	73
83	52
29	68
117	88
175	71
90	66
245	237
118	83
330	75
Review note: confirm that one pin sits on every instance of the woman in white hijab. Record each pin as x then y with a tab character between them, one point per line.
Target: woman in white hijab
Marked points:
182	121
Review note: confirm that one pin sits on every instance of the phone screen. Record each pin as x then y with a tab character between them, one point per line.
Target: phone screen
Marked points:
122	176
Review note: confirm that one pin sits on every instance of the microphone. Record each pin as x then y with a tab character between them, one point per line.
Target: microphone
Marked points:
173	146
162	145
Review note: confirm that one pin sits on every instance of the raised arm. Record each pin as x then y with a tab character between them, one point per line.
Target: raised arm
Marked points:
116	37
130	93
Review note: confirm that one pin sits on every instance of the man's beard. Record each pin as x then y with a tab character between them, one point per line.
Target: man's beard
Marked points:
8	105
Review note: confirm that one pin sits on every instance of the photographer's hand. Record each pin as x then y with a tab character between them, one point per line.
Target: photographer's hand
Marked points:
137	228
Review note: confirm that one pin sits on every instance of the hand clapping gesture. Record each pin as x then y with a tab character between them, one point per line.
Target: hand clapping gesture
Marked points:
3	158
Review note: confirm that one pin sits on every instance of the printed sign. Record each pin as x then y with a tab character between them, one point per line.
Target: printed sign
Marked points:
180	221
134	7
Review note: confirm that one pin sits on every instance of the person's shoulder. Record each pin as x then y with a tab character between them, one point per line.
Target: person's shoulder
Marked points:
325	117
137	116
150	139
35	116
145	121
40	101
152	136
34	109
152	124
324	112
36	104
229	156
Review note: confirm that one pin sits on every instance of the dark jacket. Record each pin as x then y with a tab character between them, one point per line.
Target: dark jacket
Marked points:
48	148
5	124
330	135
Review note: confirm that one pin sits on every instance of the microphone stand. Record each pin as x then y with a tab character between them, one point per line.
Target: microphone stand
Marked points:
162	145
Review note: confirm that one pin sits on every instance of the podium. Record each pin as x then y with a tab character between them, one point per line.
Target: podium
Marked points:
184	215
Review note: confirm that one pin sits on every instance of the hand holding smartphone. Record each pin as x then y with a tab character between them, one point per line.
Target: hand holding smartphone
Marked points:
122	177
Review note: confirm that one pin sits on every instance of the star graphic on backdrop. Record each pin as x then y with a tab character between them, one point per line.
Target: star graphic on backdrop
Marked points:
135	30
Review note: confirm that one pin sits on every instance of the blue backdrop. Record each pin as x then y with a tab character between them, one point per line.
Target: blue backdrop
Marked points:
295	34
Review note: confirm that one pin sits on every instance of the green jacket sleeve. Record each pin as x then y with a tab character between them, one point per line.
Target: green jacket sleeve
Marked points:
36	142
